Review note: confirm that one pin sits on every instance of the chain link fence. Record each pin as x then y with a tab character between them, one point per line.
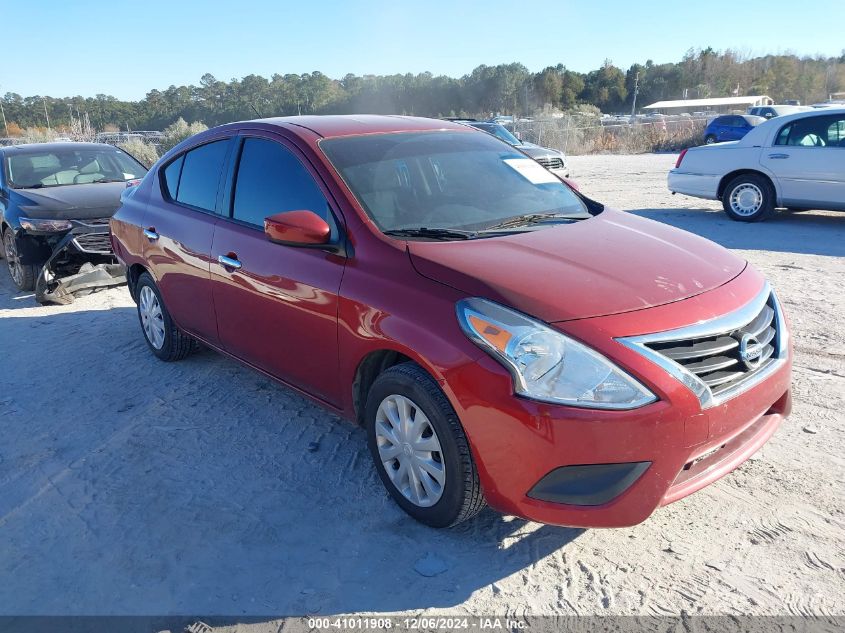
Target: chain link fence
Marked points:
573	134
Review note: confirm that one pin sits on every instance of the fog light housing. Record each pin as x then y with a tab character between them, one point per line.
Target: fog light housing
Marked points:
587	485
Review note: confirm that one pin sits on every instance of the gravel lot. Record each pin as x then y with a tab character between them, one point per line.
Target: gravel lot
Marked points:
129	486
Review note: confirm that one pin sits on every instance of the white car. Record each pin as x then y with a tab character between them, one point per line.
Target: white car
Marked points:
795	161
769	112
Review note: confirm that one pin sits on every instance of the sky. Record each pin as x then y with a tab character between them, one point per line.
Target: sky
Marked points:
125	49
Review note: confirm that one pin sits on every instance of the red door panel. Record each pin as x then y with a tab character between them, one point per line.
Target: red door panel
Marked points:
179	261
279	310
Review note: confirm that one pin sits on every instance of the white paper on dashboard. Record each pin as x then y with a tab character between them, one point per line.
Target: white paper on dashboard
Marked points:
531	170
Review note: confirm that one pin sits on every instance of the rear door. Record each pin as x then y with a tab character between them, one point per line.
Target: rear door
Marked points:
734	128
808	159
277	308
179	227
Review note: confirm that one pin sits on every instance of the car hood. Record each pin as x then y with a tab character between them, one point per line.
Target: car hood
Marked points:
535	151
72	202
611	263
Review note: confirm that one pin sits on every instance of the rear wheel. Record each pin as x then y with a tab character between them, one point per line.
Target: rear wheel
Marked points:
23	275
164	339
709	139
419	448
749	198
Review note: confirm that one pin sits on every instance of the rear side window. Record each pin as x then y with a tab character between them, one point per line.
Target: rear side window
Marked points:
272	180
171	176
817	131
193	178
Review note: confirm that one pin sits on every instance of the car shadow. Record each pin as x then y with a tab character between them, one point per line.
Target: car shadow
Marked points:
810	233
132	486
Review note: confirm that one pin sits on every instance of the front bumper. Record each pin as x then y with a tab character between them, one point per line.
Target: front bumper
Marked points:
517	442
87	241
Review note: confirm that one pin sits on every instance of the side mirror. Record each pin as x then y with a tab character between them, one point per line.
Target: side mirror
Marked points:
297	228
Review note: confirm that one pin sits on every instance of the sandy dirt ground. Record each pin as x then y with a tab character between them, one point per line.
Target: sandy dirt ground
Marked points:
129	486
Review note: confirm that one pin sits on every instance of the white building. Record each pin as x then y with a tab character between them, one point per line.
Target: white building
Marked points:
717	105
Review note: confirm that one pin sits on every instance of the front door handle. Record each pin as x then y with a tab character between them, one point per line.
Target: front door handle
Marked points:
150	234
778	155
229	262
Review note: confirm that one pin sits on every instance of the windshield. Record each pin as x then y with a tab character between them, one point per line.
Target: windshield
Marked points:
54	167
499	131
448	180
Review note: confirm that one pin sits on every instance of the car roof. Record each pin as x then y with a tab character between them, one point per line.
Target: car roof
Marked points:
34	148
336	125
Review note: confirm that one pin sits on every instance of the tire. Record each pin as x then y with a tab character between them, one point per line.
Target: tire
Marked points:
709	139
459	496
23	275
749	198
163	338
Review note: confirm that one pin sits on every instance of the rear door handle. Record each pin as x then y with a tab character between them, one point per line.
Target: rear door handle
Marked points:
229	262
151	234
778	155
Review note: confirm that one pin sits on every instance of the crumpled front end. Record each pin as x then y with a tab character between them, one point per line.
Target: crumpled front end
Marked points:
81	262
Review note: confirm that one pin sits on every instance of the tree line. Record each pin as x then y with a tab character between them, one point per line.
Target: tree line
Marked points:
504	88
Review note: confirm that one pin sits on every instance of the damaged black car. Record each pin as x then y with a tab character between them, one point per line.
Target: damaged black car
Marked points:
56	200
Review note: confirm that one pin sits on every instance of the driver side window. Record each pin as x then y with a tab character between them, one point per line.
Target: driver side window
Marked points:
271	180
836	133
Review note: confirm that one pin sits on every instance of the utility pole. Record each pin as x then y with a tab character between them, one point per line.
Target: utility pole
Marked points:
44	101
636	91
5	125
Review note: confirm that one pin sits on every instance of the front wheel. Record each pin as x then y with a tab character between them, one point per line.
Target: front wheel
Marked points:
709	139
164	339
23	275
749	198
419	448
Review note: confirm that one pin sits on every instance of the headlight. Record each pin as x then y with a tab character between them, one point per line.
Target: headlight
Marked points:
547	365
45	226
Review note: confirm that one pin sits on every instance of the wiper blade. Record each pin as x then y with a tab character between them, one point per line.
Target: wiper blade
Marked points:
434	233
529	218
109	180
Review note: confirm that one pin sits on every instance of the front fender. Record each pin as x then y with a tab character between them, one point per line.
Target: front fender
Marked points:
421	324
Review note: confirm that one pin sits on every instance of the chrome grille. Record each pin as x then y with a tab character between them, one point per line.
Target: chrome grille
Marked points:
550	162
98	243
723	357
720	361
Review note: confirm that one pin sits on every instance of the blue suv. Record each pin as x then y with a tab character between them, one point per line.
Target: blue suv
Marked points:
730	127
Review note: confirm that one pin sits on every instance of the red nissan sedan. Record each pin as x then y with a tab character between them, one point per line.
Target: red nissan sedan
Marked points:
504	339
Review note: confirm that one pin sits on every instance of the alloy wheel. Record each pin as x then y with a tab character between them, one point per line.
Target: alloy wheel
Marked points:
746	199
410	450
152	319
12	258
